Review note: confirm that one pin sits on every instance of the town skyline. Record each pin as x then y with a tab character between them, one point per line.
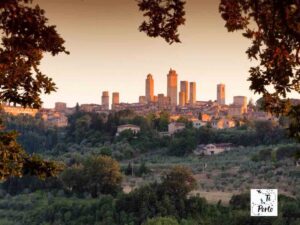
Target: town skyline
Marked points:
111	94
189	88
111	54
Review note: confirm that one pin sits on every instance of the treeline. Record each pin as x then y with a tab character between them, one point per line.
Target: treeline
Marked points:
34	135
254	134
90	132
167	202
277	154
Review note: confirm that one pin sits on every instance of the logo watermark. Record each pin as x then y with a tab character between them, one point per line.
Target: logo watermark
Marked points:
264	202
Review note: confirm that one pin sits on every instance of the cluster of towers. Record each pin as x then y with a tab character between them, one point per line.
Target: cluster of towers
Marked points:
105	99
187	92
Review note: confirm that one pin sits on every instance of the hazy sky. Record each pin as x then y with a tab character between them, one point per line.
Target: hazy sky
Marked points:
109	53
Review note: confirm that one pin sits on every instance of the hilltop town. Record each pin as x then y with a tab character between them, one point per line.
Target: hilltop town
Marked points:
180	101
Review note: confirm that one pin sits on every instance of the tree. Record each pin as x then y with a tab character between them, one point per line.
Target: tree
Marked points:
179	181
181	146
14	161
103	175
25	37
163	121
74	179
168	198
106	151
129	170
97	175
143	169
294	118
273	26
163	18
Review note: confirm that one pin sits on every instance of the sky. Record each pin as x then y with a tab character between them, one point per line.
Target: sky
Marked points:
108	53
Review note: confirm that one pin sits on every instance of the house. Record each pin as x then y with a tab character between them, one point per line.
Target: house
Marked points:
212	149
53	118
198	123
135	129
18	110
205	117
175	127
58	121
223	123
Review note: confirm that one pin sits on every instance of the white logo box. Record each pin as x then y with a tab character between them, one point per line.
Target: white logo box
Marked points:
264	202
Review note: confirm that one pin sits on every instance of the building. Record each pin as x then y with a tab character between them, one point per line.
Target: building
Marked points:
18	110
135	129
184	87
182	99
57	120
90	107
115	99
260	116
53	118
205	117
149	88
240	100
212	149
172	87
221	94
142	100
223	123
236	110
163	101
193	93
239	106
175	127
60	106
105	100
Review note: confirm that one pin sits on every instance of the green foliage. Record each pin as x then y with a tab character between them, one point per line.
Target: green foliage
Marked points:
29	184
263	155
129	169
162	221
26	36
143	169
155	203
34	135
90	133
97	175
179	181
166	198
14	161
183	143
11	156
241	202
287	152
294	118
106	151
281	153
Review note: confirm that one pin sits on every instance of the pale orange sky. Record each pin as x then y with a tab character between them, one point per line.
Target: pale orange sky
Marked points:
109	53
